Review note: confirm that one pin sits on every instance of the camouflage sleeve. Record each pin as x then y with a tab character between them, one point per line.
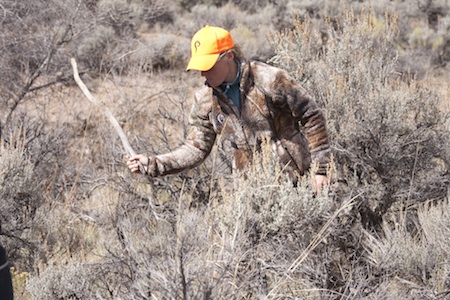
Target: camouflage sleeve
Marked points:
304	109
196	148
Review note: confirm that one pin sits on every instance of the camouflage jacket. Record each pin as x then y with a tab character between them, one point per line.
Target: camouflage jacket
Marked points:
272	105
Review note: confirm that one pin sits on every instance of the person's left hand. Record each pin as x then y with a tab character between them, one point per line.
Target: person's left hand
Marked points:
319	182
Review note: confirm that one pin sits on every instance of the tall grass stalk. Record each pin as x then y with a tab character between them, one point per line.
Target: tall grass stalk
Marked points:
320	236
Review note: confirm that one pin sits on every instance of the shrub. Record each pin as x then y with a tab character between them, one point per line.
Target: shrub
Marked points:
241	5
387	131
20	197
105	47
97	232
35	41
249	30
239	244
271	203
160	52
419	259
70	281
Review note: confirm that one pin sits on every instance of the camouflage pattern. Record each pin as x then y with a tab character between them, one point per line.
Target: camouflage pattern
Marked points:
272	105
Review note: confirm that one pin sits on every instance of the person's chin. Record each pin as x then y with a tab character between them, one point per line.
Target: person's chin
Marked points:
212	84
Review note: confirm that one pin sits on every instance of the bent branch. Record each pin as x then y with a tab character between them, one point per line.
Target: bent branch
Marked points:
115	124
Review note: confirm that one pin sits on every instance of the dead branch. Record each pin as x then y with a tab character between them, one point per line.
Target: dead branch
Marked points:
112	120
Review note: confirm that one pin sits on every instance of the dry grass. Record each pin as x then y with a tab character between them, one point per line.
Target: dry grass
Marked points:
80	226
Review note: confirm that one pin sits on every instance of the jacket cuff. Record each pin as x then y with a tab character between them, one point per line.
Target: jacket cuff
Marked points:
322	170
152	167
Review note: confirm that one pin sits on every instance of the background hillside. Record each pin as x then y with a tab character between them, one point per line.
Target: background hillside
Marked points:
77	225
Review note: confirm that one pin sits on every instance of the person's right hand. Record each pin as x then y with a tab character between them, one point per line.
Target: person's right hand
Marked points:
133	162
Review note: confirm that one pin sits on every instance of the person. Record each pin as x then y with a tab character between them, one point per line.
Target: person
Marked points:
6	288
245	102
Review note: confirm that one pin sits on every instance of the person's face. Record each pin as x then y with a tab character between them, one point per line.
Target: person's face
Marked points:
221	71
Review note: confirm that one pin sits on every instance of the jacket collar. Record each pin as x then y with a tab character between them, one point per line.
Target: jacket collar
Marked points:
246	83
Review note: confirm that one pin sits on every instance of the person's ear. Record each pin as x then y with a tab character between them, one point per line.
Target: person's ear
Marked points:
230	56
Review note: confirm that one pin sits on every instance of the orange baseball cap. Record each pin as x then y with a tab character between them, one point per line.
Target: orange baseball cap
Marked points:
206	46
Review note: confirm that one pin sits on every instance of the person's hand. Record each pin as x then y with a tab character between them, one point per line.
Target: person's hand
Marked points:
133	162
319	182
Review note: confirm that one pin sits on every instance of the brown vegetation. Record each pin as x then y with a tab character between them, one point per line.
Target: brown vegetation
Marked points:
78	225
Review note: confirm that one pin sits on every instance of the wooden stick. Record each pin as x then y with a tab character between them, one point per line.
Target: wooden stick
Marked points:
114	123
103	107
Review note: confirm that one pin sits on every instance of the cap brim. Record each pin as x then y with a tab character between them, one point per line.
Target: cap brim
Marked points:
202	62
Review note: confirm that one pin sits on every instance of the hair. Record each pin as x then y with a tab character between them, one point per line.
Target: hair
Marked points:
238	55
